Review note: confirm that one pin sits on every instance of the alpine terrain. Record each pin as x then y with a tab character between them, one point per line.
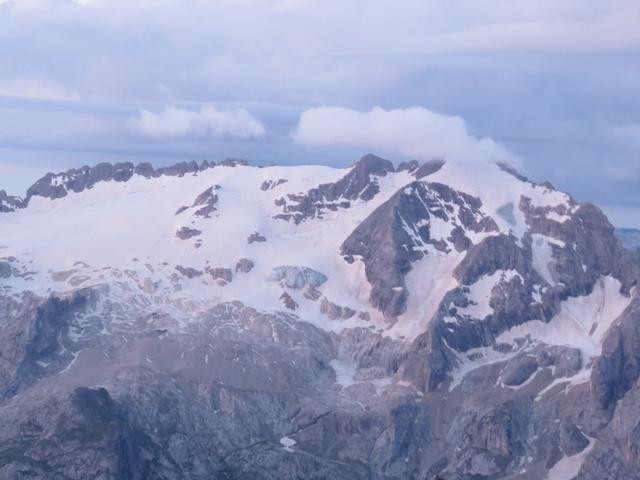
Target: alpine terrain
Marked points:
227	321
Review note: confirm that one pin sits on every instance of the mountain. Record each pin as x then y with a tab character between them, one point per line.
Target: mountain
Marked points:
430	321
629	237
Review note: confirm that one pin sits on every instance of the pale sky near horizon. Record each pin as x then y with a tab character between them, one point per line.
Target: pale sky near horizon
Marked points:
553	86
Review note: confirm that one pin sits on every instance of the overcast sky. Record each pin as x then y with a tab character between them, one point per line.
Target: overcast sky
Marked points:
552	85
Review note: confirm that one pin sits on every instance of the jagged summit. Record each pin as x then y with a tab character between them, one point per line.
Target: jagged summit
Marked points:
319	305
57	185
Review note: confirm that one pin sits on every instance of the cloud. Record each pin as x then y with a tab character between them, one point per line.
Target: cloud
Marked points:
208	122
286	50
32	88
414	132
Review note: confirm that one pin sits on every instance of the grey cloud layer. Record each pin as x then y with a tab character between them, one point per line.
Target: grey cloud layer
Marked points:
92	80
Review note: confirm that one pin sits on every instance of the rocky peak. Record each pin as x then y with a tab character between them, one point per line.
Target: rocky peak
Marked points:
58	185
359	184
419	220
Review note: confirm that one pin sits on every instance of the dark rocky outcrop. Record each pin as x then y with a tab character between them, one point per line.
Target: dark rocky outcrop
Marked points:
256	237
9	203
78	179
185	233
271	184
297	277
335	312
288	301
359	184
428	168
618	369
244	265
220	273
398	233
188	272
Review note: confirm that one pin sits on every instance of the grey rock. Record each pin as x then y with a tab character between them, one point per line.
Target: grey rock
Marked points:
9	203
188	272
297	277
271	184
359	184
220	273
288	301
428	168
233	162
519	371
206	202
185	233
244	265
5	269
335	312
409	166
388	249
255	237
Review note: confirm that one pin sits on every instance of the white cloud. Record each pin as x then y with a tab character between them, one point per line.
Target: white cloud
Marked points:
415	132
210	122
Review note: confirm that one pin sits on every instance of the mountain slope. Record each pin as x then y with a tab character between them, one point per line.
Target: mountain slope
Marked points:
229	321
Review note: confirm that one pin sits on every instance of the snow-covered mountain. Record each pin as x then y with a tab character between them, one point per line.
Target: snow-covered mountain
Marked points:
437	320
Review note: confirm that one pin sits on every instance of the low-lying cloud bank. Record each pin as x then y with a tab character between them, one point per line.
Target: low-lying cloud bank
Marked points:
206	122
414	132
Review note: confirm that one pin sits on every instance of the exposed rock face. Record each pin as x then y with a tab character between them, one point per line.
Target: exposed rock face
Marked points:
5	269
78	179
188	272
403	230
244	265
359	184
220	273
297	277
427	168
205	203
8	203
185	233
617	370
289	302
271	184
335	312
255	237
233	162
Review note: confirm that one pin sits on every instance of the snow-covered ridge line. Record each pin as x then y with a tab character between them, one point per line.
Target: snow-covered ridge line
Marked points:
58	185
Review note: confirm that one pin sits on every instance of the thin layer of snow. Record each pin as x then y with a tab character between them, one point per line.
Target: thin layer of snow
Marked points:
569	467
428	281
582	322
485	356
497	188
542	251
345	372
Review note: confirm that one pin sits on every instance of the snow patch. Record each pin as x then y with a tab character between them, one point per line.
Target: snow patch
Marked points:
542	251
582	322
480	293
345	372
287	443
569	467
